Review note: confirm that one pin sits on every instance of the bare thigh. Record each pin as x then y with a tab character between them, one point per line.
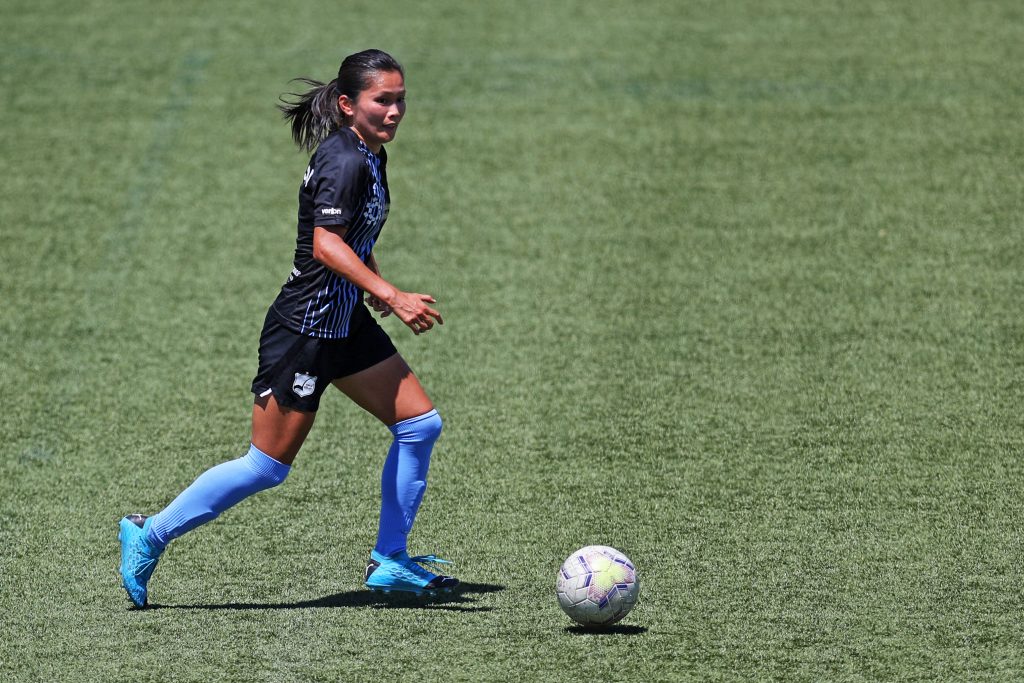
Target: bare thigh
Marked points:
279	431
388	390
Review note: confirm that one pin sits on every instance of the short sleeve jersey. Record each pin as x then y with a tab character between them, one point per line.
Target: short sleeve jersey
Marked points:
345	185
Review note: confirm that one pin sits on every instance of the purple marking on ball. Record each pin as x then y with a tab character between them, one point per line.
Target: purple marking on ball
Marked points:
586	582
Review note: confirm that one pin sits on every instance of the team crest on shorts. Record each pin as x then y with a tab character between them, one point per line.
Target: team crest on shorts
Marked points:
304	384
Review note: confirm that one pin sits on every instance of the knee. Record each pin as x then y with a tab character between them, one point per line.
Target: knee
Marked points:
432	427
266	472
424	428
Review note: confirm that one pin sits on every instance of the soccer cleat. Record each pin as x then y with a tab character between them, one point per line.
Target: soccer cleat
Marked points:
399	572
138	557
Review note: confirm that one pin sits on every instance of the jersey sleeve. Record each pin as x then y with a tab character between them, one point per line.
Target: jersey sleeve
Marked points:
340	184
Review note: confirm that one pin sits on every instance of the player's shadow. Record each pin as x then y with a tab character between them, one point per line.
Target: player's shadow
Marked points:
459	600
613	630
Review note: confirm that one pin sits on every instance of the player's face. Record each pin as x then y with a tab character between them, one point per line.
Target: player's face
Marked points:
378	110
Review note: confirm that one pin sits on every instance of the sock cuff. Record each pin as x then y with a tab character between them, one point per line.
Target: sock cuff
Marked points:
265	466
412	422
152	536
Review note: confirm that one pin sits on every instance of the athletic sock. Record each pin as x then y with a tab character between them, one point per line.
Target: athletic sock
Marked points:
214	491
404	479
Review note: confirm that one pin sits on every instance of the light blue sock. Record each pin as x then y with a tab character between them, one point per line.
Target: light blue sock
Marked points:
405	479
214	491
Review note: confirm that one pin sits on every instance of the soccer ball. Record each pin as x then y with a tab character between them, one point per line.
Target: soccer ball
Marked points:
597	585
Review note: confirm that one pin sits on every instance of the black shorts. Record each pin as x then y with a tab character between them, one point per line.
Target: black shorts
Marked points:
297	368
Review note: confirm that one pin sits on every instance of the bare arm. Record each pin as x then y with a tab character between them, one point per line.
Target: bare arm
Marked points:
371	263
375	303
330	249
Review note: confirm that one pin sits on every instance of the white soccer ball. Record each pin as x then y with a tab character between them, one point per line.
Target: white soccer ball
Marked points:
597	585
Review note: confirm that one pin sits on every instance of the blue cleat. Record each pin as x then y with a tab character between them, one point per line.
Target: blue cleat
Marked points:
138	557
399	572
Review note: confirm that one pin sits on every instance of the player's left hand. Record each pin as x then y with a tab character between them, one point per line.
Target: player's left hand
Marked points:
378	305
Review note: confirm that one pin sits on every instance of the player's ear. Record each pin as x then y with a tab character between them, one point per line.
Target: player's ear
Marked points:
345	105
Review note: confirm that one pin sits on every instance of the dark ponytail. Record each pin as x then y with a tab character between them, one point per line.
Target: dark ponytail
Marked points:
315	115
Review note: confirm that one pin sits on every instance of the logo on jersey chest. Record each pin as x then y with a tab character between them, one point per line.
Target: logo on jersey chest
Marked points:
377	208
309	174
303	385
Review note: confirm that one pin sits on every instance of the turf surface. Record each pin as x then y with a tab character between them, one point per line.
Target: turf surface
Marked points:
732	287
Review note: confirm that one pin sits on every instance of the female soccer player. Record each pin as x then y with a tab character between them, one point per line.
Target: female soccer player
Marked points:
319	332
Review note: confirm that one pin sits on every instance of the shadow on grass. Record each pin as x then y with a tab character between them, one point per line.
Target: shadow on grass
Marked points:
456	601
613	630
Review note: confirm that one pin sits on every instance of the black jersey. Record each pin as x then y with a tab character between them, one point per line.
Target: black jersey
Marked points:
345	184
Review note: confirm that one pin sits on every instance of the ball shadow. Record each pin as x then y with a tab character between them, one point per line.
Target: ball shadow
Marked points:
613	630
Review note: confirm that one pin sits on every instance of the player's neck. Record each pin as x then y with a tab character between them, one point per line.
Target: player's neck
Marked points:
373	148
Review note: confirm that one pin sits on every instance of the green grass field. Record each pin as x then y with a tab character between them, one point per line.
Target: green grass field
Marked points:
733	287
